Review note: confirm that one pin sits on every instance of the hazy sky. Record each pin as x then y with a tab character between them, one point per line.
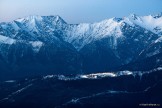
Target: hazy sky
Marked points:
77	11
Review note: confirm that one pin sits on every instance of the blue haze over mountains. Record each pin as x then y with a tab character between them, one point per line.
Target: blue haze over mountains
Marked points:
40	45
43	59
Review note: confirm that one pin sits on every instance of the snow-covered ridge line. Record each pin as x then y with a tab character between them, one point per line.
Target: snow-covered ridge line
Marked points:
101	75
150	22
82	34
89	32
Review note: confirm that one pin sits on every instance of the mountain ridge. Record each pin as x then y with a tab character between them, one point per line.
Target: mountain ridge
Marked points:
108	27
77	48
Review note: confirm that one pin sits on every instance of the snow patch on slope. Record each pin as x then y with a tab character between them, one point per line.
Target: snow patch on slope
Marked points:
10	81
98	75
36	45
6	40
102	75
159	40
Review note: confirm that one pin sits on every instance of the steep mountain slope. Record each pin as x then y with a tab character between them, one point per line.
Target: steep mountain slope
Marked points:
150	57
37	45
104	55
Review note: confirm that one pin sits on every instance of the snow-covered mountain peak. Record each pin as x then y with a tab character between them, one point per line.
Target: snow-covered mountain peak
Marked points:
54	19
79	34
110	21
133	17
29	18
59	19
104	45
83	34
35	19
150	22
29	23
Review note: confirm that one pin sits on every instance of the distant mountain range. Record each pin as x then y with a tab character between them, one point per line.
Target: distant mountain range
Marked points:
41	45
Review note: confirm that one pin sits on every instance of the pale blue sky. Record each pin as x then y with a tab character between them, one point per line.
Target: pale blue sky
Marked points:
77	11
